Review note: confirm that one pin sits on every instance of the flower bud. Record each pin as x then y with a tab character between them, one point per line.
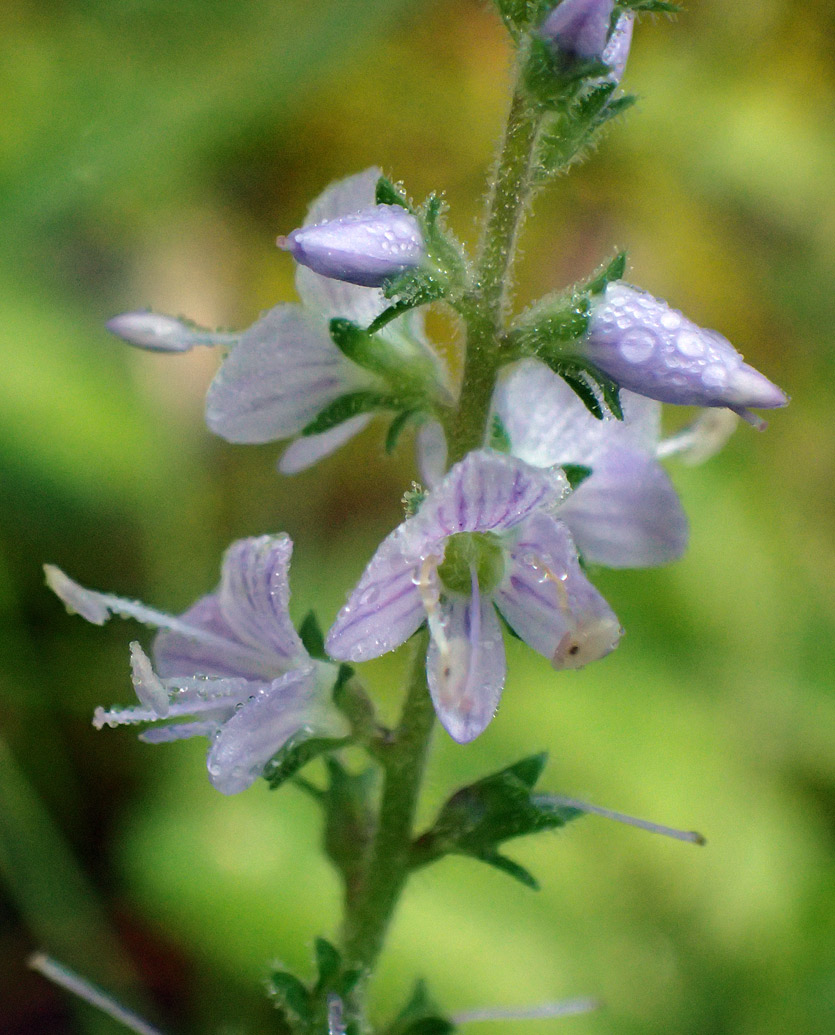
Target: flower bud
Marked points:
579	28
160	333
649	348
364	248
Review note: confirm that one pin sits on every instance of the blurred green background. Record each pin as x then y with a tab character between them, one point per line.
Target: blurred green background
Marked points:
150	150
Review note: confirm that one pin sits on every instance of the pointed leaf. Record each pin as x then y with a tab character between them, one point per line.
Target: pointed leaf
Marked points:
348	406
328	963
511	868
396	429
311	635
388	193
296	754
290	997
614	269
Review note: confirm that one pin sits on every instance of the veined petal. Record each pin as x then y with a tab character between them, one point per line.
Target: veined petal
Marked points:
254	596
284	371
309	449
550	603
328	297
274	714
485	492
465	665
384	609
547	423
627	514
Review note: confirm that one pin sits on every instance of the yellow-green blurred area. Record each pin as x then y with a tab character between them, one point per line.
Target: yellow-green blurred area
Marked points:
150	151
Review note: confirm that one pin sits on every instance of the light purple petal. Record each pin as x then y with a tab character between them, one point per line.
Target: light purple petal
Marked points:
273	715
548	424
616	52
180	731
247	620
365	247
579	27
650	348
485	492
254	596
627	514
384	609
328	297
281	374
465	666
431	452
550	603
309	449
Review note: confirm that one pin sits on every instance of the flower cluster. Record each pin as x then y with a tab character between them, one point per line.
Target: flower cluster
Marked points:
565	473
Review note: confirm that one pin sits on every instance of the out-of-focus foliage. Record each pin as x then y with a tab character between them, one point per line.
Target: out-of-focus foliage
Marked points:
149	153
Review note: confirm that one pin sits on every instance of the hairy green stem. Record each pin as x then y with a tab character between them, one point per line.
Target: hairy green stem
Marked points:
484	309
369	915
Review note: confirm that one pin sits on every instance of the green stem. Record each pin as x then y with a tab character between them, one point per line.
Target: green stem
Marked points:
370	913
485	307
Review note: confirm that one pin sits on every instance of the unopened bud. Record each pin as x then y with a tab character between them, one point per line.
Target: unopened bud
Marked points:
364	248
161	333
649	348
616	52
579	28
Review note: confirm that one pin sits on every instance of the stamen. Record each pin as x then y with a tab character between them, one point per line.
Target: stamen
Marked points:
430	596
72	982
692	836
566	1008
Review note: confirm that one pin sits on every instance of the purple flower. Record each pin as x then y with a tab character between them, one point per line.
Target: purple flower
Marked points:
286	369
364	247
233	665
579	27
651	349
626	513
486	536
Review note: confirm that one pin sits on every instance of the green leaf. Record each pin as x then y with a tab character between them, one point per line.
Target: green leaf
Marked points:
571	133
576	474
499	438
328	963
420	1016
476	819
296	754
584	391
349	819
347	406
554	79
411	289
388	193
654	6
397	427
614	269
290	997
310	633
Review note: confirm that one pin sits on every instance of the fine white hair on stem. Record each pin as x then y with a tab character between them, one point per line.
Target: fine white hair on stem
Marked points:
565	1008
72	982
692	836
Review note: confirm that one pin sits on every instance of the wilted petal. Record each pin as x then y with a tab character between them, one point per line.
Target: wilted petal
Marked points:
274	714
649	348
431	452
334	297
550	603
627	514
309	449
384	609
281	374
465	666
616	51
148	686
365	247
160	333
485	492
548	424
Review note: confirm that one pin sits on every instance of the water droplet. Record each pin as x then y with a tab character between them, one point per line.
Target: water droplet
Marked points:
637	346
715	376
371	595
670	320
690	344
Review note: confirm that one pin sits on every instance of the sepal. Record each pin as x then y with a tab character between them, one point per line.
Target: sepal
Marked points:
554	80
348	406
478	818
420	1016
388	193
